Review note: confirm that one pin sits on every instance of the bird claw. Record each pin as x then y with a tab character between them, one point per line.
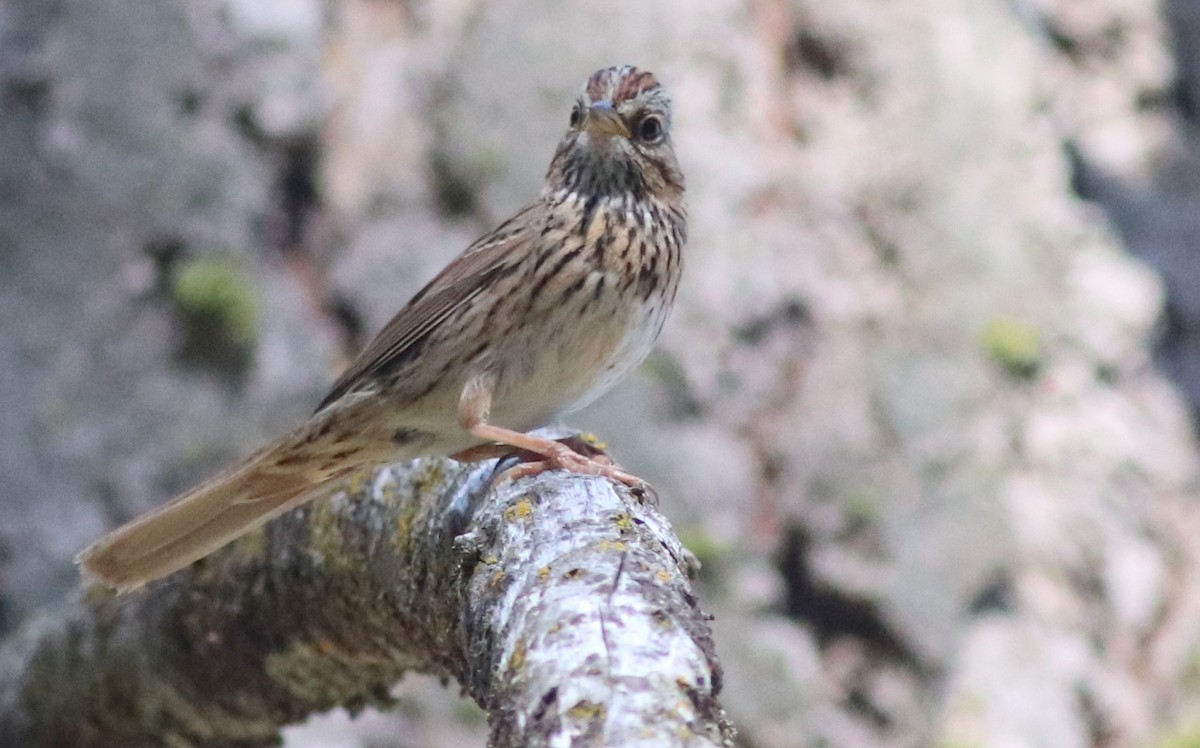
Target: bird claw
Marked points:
564	456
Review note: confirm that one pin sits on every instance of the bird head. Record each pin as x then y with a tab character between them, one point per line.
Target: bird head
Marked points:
618	139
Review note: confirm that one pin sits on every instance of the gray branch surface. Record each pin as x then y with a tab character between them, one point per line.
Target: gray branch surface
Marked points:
560	603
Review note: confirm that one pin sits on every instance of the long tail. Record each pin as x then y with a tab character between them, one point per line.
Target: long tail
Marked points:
263	486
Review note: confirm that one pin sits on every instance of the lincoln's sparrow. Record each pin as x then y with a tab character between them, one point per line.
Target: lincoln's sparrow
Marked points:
533	320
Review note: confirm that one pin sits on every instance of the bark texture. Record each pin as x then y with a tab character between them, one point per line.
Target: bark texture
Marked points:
561	604
910	410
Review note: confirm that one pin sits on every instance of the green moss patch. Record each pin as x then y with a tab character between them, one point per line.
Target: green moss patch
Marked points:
1015	345
215	291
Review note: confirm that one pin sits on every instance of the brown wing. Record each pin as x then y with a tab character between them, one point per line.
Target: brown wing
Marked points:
462	280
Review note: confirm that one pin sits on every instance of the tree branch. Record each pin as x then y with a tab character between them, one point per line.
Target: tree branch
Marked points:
560	603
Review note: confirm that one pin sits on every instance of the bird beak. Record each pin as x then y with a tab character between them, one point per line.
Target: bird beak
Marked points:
603	121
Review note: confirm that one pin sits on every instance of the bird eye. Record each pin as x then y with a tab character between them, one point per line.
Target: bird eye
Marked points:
650	129
576	115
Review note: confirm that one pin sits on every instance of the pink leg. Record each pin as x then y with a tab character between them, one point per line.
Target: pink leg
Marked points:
556	454
473	410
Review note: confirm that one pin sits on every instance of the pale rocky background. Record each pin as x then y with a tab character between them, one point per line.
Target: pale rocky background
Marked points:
925	409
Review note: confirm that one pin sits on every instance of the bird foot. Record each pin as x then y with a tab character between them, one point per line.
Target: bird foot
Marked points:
577	455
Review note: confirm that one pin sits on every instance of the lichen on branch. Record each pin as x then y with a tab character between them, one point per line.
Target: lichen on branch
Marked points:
560	603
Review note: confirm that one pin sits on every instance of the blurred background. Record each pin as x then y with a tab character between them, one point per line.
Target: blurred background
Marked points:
925	409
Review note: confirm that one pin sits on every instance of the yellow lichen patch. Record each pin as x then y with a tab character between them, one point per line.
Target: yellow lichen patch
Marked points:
385	487
586	710
429	477
520	510
518	656
325	538
594	441
624	522
406	517
403	531
544	573
498	576
358	482
611	545
491	560
663	576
